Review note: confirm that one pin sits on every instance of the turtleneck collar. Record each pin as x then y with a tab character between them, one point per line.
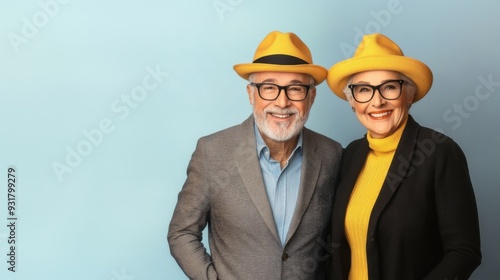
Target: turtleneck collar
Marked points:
389	143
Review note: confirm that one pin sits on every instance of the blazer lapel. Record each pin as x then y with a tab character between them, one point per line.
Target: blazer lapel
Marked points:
352	165
311	167
248	166
399	168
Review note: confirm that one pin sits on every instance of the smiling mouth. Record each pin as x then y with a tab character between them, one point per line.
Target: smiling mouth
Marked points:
281	116
381	114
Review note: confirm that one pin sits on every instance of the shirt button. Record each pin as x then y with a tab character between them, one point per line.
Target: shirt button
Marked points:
284	257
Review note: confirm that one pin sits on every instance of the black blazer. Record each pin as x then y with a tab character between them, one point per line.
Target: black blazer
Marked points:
424	224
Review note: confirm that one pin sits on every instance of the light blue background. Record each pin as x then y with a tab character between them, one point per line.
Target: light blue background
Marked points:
70	70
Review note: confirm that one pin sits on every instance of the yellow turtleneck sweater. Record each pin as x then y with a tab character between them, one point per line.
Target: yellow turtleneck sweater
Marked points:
363	197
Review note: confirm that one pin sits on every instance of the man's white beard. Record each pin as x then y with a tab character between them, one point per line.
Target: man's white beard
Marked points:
285	131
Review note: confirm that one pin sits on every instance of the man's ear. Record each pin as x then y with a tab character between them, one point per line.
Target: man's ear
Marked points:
312	93
250	90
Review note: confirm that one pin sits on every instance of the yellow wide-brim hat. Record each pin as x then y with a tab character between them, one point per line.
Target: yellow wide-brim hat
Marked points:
378	52
282	52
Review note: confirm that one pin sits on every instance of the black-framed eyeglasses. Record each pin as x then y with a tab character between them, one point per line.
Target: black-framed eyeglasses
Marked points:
389	90
270	92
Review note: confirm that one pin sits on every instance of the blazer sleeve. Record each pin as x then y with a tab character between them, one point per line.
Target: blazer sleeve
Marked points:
457	214
189	219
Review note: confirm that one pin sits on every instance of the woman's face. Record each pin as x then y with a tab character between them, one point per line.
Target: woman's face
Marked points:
380	116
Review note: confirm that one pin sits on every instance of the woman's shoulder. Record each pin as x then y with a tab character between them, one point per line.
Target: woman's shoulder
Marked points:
432	136
436	143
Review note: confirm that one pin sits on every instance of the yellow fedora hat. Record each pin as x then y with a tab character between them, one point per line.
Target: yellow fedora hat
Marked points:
378	52
282	52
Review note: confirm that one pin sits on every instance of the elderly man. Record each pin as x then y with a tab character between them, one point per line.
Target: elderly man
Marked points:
264	187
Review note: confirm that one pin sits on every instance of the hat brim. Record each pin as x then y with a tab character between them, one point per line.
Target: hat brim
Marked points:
318	73
417	71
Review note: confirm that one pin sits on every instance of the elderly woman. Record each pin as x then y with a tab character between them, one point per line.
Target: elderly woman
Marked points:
405	208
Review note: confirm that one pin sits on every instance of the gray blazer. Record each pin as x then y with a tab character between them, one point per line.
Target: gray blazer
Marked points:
224	190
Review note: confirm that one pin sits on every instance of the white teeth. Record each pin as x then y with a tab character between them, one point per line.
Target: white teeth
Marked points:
379	115
281	116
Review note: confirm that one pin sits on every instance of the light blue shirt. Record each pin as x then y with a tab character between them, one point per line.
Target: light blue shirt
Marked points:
282	185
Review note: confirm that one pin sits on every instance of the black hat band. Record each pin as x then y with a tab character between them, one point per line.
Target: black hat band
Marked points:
281	59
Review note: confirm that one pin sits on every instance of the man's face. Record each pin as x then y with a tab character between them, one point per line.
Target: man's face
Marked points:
281	119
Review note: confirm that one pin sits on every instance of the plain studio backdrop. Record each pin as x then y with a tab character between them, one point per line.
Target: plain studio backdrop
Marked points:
102	103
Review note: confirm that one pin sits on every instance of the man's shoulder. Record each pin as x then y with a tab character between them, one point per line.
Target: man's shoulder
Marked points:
223	132
231	134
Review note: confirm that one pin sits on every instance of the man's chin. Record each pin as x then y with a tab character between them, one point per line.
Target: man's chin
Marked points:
279	130
280	125
281	133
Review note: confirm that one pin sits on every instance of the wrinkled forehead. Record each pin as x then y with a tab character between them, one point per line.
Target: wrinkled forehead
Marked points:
281	77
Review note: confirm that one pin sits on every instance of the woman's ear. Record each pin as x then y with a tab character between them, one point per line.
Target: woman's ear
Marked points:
410	98
351	103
